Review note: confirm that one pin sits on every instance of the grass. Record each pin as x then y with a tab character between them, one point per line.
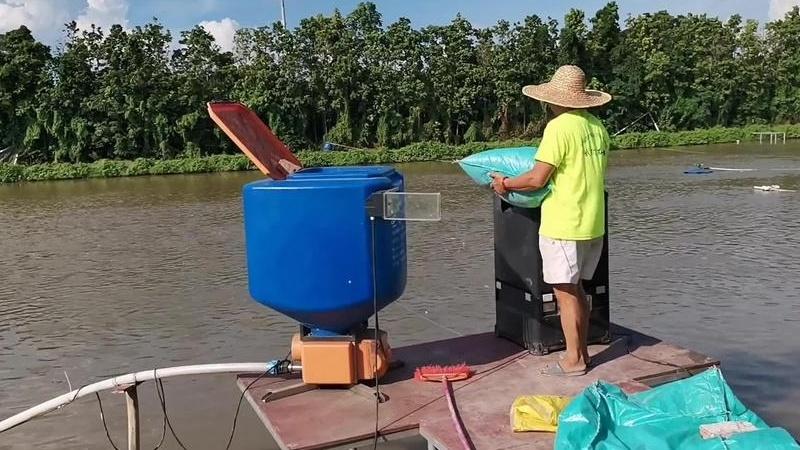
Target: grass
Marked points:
423	151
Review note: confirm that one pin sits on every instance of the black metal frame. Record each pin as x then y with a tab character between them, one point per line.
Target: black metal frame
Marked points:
526	310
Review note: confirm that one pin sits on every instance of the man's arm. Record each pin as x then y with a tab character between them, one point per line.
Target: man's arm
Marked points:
532	180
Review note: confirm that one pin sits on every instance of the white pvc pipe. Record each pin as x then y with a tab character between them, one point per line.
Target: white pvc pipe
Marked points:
131	378
732	170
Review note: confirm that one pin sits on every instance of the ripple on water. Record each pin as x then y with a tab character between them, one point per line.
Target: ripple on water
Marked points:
110	276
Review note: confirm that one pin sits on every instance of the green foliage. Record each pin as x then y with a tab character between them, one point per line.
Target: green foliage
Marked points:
717	135
417	152
23	80
473	133
573	40
122	94
116	168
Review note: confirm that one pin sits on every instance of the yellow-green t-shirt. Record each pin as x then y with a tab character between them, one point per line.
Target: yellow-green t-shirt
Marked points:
577	145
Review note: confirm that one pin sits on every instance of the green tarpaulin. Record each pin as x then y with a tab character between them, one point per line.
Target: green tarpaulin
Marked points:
668	417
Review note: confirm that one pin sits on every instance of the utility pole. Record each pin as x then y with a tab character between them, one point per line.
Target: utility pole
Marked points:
283	13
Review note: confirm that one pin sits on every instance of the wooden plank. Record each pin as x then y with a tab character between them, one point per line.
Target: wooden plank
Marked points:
132	406
503	372
674	375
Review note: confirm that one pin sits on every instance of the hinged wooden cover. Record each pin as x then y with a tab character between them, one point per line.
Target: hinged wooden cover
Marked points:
254	139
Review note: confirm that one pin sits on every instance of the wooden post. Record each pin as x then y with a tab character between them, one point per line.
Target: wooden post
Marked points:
132	403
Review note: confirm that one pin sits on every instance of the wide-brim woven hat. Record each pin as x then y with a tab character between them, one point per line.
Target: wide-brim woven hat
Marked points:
567	88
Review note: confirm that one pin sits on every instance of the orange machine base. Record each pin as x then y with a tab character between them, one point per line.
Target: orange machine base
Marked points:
341	360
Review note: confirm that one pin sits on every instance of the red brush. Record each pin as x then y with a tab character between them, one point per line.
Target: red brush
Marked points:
446	374
441	373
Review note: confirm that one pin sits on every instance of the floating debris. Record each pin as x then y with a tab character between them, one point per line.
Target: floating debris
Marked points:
772	188
698	169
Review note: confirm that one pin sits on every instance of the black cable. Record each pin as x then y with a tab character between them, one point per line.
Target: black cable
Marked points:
377	384
163	433
162	398
163	422
629	337
376	436
247	388
103	419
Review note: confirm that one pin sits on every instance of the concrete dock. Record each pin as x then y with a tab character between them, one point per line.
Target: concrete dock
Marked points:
345	418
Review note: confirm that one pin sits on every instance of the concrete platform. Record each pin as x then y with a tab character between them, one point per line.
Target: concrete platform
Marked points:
345	418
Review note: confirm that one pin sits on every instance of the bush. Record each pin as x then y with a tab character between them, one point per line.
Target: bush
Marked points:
418	152
11	174
717	135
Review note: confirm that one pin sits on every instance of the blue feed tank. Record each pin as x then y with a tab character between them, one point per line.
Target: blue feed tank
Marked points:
309	246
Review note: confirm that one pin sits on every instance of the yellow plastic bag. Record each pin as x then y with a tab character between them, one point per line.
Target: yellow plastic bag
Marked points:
537	412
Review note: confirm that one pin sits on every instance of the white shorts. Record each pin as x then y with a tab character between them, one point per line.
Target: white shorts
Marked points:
568	262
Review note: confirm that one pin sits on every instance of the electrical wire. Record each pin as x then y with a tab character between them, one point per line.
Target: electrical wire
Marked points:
162	398
244	391
103	419
426	318
629	337
163	414
376	436
163	432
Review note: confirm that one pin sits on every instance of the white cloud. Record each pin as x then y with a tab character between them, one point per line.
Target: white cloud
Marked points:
45	18
779	8
223	31
103	13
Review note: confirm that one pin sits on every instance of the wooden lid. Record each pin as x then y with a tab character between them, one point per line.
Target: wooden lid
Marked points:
254	139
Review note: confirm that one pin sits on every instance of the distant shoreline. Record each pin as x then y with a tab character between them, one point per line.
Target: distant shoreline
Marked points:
419	152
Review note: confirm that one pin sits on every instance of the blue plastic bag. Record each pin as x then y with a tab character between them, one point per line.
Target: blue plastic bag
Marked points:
510	162
668	417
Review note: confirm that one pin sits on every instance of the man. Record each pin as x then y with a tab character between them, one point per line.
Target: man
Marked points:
573	155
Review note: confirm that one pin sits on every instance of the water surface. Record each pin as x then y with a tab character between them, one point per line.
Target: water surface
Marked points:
103	277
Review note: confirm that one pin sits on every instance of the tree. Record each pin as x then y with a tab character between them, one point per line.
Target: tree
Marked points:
455	76
752	79
783	40
603	40
402	85
120	93
202	73
134	94
66	112
24	77
572	41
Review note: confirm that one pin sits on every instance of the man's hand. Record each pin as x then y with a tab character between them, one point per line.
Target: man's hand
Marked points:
497	183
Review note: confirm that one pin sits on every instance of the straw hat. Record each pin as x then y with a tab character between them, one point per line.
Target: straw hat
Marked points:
567	88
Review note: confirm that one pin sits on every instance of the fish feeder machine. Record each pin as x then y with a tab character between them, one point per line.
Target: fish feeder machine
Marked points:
326	247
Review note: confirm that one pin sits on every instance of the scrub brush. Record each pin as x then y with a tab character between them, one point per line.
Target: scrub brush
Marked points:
445	375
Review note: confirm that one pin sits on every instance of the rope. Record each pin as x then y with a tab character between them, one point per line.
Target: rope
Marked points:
637	120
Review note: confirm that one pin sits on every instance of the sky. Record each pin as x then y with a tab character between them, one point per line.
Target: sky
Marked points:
222	18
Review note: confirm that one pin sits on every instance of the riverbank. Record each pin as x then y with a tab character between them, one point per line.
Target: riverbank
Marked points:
419	152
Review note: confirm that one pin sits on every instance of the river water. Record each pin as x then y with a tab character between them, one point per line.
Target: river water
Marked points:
104	277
